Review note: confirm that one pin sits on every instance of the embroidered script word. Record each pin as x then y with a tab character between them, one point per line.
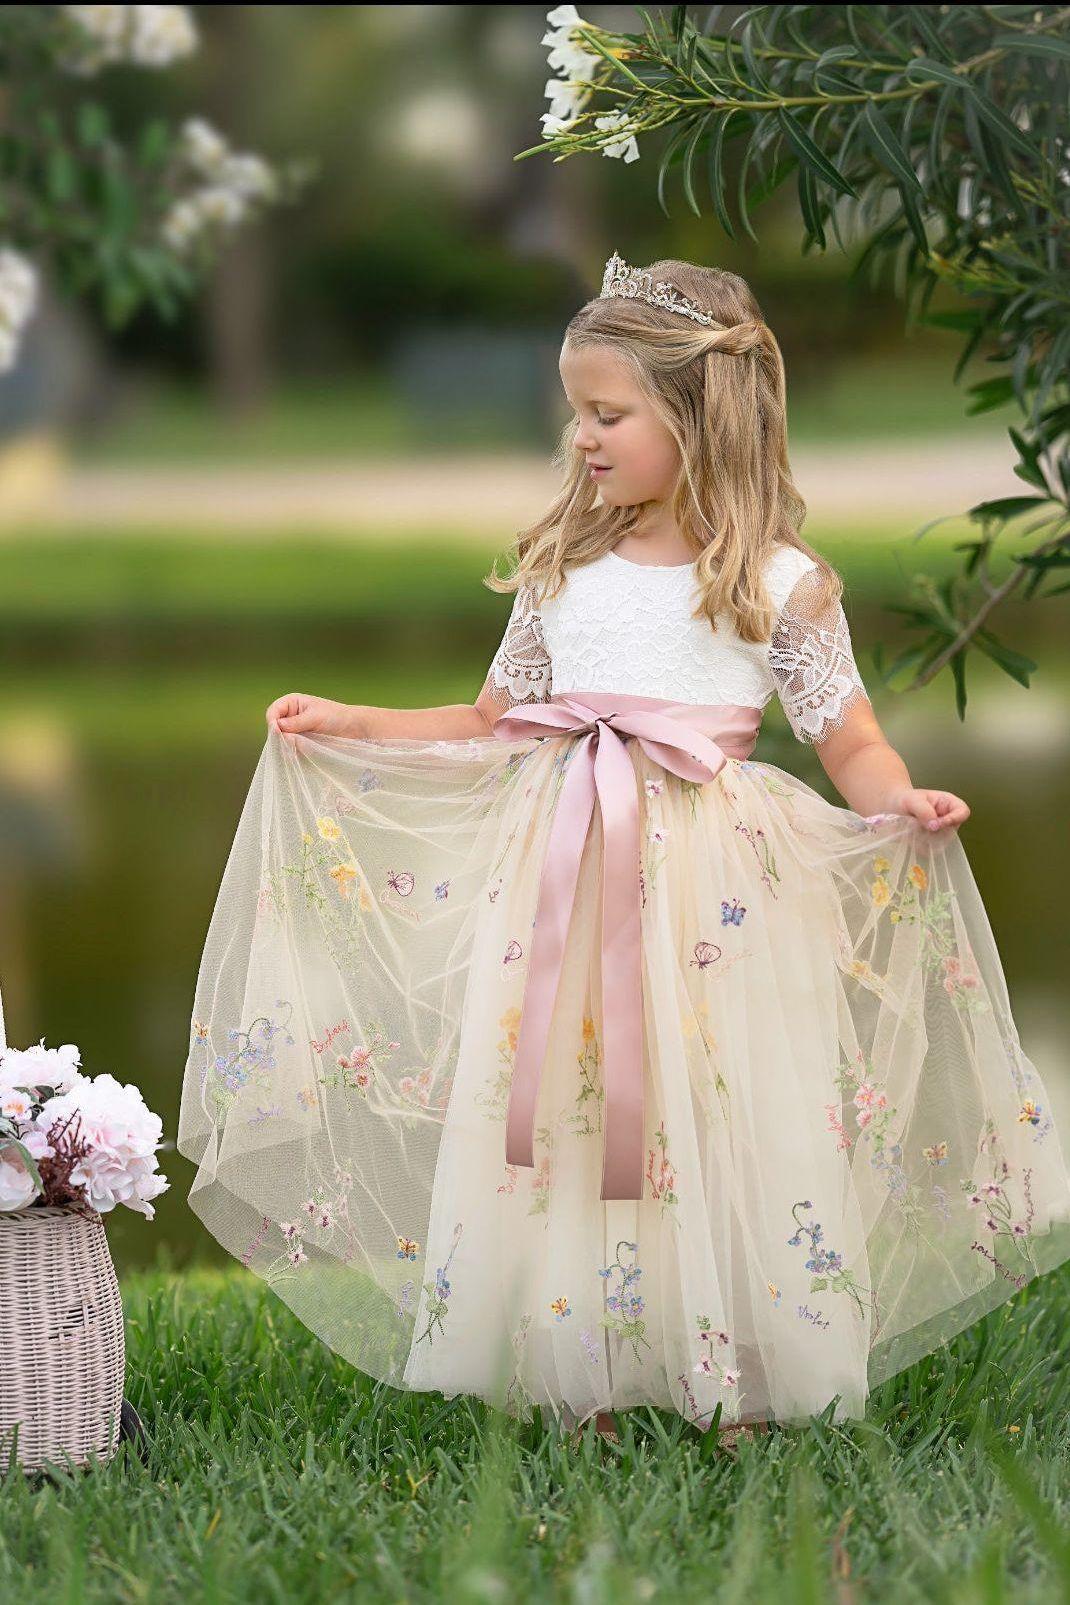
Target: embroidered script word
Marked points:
335	1031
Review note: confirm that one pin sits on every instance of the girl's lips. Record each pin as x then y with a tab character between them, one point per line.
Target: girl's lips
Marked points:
598	468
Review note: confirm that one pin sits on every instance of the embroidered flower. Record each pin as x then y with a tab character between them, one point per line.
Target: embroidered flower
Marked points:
560	1307
329	829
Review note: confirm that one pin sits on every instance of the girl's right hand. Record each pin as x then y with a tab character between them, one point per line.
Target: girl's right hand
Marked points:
298	714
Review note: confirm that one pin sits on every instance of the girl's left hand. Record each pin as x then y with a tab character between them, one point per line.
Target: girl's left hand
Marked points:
934	809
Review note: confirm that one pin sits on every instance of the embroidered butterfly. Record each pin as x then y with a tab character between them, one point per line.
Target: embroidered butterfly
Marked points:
936	1154
732	913
560	1308
1030	1111
706	953
442	889
513	951
407	1248
402	882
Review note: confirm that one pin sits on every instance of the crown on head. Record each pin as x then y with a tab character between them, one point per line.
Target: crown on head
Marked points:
634	284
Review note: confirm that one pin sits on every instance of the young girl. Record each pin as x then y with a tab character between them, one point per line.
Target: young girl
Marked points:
551	1049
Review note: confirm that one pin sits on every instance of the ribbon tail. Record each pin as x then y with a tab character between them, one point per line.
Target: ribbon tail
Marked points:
622	972
553	914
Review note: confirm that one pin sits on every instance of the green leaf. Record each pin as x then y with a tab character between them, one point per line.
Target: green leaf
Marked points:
715	169
958	670
62	174
92	123
1016	664
666	158
1033	44
886	147
812	154
689	156
1006	507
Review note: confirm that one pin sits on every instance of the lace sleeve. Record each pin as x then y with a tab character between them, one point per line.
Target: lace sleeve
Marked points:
520	671
812	663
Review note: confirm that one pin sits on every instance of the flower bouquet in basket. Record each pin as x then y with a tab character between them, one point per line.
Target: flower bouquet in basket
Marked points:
71	1148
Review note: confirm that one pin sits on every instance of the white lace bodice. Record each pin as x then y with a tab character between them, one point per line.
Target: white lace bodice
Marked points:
624	626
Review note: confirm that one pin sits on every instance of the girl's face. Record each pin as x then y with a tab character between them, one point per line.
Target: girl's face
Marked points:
617	428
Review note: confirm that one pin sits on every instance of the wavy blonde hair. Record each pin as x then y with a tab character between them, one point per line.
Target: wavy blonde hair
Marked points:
719	389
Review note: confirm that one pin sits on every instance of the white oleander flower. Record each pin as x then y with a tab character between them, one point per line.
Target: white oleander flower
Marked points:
160	35
626	147
145	36
569	93
203	146
18	302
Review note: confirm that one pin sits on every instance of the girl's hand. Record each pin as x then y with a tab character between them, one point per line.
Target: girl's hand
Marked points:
934	809
298	714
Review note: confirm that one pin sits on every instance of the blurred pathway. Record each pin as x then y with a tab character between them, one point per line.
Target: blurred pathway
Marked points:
485	496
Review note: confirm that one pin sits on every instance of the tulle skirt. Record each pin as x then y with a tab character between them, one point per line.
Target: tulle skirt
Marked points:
849	1157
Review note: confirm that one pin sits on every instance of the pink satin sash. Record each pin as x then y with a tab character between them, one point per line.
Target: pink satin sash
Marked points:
692	740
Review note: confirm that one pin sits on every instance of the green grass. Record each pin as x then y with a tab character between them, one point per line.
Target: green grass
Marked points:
278	1473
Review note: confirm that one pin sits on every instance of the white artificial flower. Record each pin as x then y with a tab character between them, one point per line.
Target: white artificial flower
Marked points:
552	125
122	1135
15	1105
566	99
160	35
17	1186
626	147
41	1067
203	146
564	17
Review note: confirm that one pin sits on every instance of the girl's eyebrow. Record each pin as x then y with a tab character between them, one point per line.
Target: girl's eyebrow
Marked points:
601	401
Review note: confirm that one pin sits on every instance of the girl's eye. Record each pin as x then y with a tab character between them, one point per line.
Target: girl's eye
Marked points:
605	421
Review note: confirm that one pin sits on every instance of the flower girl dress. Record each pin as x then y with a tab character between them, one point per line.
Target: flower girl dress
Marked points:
591	1063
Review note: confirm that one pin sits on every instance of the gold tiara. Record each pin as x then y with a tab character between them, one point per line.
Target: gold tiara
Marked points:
635	285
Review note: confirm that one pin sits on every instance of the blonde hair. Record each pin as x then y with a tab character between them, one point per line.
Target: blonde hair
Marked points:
720	391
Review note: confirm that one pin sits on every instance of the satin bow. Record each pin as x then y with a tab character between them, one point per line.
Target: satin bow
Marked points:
680	736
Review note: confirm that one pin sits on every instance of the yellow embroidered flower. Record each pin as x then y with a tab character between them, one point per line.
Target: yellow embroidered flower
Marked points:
342	874
363	900
860	967
329	829
588	1028
895	916
560	1307
881	892
511	1021
305	837
306	1097
918	876
881	864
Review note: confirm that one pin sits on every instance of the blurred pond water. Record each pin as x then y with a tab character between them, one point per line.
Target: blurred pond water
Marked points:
114	844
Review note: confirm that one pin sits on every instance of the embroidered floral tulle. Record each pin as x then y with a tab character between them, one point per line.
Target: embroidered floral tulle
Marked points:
849	1156
812	662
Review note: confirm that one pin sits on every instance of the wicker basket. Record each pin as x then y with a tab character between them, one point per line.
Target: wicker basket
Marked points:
62	1347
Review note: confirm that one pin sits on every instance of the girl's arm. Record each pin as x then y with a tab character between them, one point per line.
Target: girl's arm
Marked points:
296	713
872	778
454	722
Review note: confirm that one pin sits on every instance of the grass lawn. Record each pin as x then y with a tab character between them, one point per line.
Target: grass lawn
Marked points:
278	1473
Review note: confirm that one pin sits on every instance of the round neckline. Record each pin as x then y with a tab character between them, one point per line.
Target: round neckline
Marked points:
664	568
